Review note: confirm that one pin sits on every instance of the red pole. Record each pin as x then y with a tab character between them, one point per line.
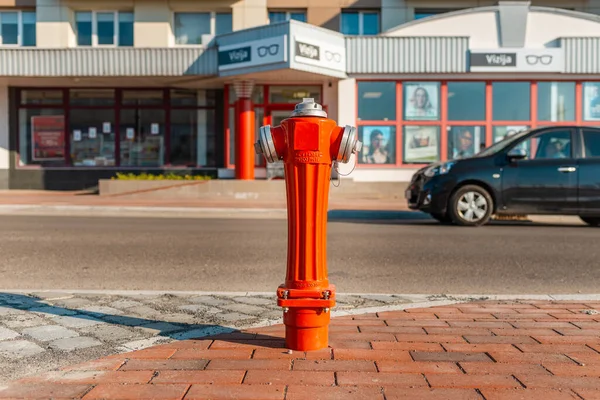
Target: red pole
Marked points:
244	139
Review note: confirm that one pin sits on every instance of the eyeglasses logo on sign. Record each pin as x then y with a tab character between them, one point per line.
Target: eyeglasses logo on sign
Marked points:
308	51
272	50
335	57
533	60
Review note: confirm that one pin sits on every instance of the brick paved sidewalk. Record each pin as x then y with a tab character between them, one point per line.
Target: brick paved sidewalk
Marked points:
479	350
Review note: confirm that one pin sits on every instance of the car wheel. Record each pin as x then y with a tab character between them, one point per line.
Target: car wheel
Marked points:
442	218
592	221
471	205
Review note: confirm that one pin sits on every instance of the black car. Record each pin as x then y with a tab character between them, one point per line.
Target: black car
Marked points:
550	170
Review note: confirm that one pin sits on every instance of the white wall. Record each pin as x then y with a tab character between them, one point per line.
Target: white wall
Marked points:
4	153
481	27
543	28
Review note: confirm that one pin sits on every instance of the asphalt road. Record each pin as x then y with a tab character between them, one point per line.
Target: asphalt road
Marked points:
394	256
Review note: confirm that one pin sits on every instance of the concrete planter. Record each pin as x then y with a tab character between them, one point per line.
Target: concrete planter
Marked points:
272	190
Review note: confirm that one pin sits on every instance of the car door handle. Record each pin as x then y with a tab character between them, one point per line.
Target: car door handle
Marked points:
567	169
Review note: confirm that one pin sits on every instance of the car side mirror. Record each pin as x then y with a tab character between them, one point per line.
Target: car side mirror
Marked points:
517	154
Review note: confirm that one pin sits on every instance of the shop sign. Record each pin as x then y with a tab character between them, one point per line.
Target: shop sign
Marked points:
517	60
48	137
321	54
253	54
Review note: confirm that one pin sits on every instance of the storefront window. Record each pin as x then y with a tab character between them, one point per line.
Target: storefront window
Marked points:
142	137
42	137
503	132
92	97
591	101
466	101
143	97
92	136
193	98
193	138
511	101
421	144
189	27
41	97
293	94
379	144
556	101
465	141
377	101
257	94
421	101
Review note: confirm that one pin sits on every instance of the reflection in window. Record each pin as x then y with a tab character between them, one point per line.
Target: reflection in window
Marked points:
550	145
142	137
379	144
9	27
421	144
45	97
465	141
193	137
142	97
591	146
92	136
503	132
92	97
377	101
224	23
359	22
104	28
591	101
466	101
556	101
282	16
511	101
41	137
293	94
189	27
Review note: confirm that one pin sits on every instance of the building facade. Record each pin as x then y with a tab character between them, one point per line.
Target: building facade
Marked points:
89	88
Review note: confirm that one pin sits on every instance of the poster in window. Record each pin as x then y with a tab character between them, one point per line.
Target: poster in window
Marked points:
154	129
130	133
106	127
465	141
77	135
421	144
48	137
591	101
503	132
92	132
378	145
421	101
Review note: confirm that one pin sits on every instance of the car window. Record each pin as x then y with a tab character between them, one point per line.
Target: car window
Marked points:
591	143
548	145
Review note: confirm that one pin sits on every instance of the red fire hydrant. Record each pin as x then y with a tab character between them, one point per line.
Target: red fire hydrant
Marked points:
308	143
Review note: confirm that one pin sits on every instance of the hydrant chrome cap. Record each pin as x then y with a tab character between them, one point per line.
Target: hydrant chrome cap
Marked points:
308	108
265	144
349	144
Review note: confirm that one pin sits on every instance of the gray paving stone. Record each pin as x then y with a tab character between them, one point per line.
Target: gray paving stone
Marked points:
234	317
144	312
75	343
124	303
200	308
53	310
52	295
124	320
159	328
75	302
23	302
110	333
144	343
272	314
48	333
201	332
208	300
6	334
10	311
15	349
255	300
101	310
24	320
178	318
79	321
381	298
244	309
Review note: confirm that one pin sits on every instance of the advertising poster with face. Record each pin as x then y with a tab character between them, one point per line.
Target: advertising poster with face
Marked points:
465	141
421	101
379	145
591	101
421	144
504	132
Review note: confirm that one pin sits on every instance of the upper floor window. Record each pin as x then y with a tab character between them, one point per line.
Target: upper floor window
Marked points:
17	28
421	13
104	28
282	16
360	22
190	26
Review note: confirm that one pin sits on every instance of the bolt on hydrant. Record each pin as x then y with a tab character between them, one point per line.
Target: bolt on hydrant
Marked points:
308	143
